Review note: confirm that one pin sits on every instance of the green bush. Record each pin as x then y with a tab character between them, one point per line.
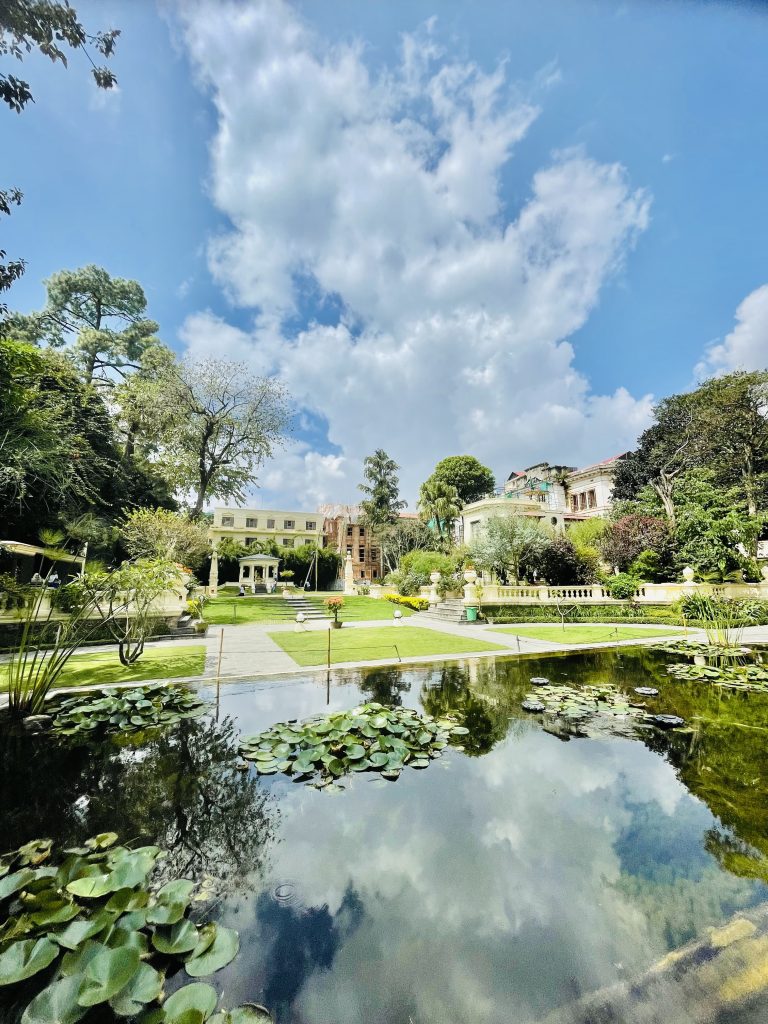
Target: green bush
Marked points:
622	586
422	563
651	614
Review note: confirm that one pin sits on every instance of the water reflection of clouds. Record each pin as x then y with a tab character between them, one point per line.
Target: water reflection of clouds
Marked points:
483	884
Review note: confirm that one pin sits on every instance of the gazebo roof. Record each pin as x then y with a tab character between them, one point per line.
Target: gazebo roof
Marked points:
267	559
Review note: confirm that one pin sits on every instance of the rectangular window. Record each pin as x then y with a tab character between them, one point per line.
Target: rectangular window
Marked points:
374	554
361	554
375	574
591	499
349	531
574	503
362	531
287	542
310	525
251	524
270	524
289	524
250	540
582	500
362	574
227	520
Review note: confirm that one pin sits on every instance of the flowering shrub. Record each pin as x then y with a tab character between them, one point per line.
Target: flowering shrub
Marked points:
334	604
419	604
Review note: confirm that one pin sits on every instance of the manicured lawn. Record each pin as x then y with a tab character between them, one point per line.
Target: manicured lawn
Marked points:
231	611
362	609
586	634
310	648
228	611
104	667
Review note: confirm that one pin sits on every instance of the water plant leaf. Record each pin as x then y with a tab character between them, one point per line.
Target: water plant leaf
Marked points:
222	951
23	959
91	887
175	938
14	882
76	932
195	1002
107	973
249	1013
144	987
102	841
56	1004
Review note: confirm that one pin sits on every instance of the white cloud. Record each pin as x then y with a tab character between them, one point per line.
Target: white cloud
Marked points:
746	347
384	191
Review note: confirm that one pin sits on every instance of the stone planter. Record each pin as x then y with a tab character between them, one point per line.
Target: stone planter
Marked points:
201	628
336	625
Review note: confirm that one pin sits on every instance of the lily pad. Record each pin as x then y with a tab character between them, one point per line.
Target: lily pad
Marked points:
22	960
108	973
222	951
56	1004
192	1003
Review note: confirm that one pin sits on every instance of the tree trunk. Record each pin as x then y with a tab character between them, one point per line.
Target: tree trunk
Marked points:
662	485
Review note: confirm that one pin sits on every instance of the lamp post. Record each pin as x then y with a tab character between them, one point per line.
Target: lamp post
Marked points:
398	616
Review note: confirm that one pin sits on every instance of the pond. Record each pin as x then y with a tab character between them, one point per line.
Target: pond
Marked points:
526	878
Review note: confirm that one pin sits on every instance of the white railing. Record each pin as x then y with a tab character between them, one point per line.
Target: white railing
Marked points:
646	593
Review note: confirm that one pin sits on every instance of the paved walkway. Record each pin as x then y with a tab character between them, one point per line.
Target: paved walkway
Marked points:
248	652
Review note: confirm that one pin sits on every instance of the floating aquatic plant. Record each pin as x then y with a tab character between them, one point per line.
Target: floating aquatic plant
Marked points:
370	737
735	677
144	707
694	647
84	927
580	703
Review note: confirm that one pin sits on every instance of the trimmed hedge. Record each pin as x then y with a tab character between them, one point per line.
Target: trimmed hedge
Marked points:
651	614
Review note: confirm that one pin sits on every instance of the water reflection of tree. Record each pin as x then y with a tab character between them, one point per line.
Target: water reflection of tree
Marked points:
179	789
385	686
299	941
485	715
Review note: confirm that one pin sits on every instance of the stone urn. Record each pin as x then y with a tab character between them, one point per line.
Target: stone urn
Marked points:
688	574
470	576
434	579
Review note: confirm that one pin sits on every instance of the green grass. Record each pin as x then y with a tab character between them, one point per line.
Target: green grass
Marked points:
104	667
268	610
363	609
585	634
310	648
228	611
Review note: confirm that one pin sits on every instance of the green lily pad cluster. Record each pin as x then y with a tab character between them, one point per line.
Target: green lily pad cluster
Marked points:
145	707
693	647
370	737
83	929
579	704
734	677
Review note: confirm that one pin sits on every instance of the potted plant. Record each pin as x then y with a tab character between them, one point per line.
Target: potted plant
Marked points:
335	604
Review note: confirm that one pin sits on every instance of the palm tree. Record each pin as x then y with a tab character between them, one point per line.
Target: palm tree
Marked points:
439	504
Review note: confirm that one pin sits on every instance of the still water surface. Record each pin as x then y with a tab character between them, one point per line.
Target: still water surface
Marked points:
502	884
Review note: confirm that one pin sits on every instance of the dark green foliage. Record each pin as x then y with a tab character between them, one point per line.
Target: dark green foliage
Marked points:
300	561
370	737
382	489
622	587
559	563
58	455
651	614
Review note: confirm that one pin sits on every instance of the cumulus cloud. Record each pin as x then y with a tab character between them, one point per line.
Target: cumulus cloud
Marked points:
746	347
384	195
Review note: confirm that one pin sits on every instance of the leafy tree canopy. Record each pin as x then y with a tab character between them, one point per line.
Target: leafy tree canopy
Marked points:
158	533
506	543
440	506
467	474
101	316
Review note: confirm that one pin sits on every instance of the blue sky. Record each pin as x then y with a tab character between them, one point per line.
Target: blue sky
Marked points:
242	175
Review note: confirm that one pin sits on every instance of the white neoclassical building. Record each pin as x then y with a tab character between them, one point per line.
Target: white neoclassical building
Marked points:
554	495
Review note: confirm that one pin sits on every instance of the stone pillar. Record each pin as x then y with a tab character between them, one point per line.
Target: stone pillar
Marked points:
434	579
470	589
349	580
213	576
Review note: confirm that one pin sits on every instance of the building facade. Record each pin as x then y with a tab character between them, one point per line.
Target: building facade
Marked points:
553	495
251	525
347	535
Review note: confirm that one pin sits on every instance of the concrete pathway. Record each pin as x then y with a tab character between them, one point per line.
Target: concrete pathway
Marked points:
248	652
